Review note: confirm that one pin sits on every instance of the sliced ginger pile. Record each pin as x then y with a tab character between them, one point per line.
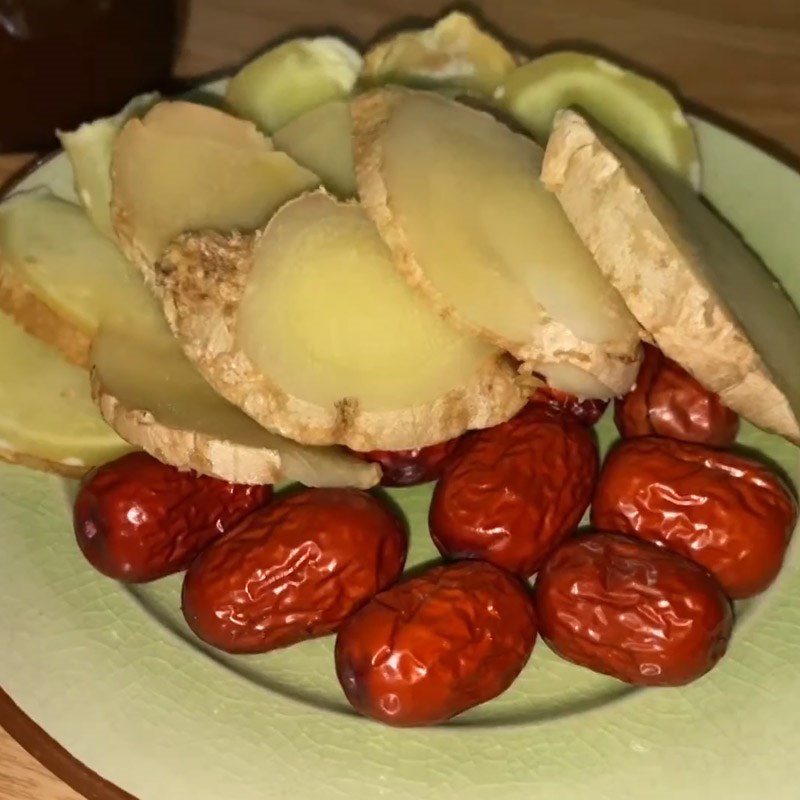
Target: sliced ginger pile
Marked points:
279	322
78	289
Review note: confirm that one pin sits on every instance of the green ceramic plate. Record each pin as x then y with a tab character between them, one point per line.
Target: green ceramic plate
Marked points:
113	675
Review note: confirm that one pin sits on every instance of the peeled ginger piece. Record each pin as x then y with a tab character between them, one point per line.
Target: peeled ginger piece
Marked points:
166	182
307	327
47	417
59	276
154	398
456	196
322	140
89	151
454	54
287	80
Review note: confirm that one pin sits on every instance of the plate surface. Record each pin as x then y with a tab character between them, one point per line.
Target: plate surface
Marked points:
114	676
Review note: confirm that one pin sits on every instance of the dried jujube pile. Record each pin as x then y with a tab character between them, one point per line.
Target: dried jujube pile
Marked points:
679	530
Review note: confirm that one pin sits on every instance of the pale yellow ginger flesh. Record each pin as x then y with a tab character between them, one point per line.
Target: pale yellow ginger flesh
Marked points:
322	140
47	417
165	183
152	395
294	77
326	316
182	118
309	329
454	53
703	296
89	151
59	276
456	196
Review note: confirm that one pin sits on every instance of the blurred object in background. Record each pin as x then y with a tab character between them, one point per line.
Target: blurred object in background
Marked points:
63	62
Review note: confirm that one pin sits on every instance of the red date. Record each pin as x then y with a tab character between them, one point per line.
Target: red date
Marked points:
410	467
437	644
668	401
626	608
293	571
137	519
728	513
515	491
587	411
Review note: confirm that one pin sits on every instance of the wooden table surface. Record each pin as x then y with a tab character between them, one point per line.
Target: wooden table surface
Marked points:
735	59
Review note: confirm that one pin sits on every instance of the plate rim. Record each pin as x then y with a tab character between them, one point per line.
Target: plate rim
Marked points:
47	752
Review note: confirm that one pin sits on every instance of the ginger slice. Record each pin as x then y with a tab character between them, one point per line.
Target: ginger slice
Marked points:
154	398
454	53
298	75
59	276
90	147
182	118
89	151
697	289
47	417
165	182
308	328
322	140
643	114
456	196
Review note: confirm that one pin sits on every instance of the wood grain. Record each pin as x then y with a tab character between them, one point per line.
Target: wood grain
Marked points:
736	60
24	778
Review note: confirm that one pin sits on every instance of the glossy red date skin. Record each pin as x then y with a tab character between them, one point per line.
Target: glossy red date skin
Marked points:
667	401
411	467
728	513
137	519
626	608
587	411
513	492
437	644
293	571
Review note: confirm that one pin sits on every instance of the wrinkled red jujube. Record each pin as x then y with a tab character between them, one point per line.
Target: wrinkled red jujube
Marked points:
667	401
626	608
137	519
410	467
513	492
588	411
731	514
293	571
437	644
